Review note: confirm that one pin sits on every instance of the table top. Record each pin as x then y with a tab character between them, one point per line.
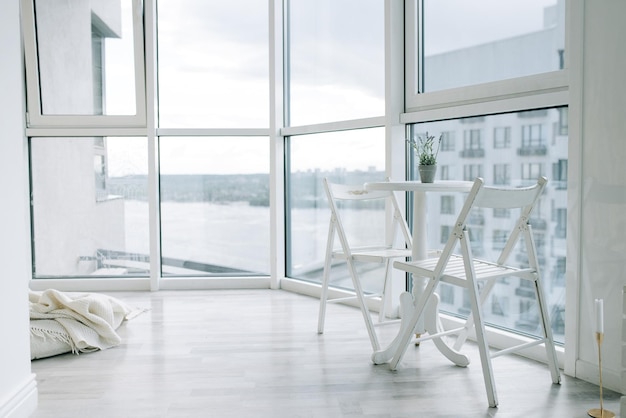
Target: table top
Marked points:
416	185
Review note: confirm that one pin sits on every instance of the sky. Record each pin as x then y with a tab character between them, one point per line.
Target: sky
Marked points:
213	63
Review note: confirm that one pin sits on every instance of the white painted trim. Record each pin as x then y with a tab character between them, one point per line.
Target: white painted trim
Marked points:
345	125
499	105
90	132
611	379
85	132
264	132
573	278
395	130
497	90
215	283
23	402
144	284
154	207
315	289
91	285
277	74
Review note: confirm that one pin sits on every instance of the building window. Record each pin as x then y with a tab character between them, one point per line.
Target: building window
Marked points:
501	174
448	142
499	305
531	171
471	171
99	169
445	172
532	135
501	213
97	56
563	122
446	231
447	205
472	144
559	174
502	137
560	231
446	293
499	239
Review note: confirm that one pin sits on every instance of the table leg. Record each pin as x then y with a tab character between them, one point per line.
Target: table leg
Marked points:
429	321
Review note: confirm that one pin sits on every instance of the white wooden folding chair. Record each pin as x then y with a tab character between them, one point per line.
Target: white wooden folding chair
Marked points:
395	246
479	276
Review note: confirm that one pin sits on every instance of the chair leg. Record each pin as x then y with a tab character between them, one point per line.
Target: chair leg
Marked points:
326	279
469	324
547	334
358	289
323	299
483	346
384	293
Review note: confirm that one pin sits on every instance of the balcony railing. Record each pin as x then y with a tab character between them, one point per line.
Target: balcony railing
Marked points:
532	150
472	153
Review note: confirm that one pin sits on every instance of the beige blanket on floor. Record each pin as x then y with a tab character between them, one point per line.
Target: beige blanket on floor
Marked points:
76	322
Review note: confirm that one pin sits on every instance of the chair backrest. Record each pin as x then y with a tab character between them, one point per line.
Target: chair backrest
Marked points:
337	193
481	196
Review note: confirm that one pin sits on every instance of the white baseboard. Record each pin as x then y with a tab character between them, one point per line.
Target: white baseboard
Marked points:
23	402
611	379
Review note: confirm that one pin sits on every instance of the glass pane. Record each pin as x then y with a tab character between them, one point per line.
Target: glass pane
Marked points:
90	214
498	149
337	61
86	61
468	43
351	157
213	63
215	206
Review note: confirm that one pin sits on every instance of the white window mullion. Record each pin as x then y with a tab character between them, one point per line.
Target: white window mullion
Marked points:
277	142
154	216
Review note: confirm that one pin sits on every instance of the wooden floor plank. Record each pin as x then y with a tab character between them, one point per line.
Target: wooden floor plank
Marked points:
256	353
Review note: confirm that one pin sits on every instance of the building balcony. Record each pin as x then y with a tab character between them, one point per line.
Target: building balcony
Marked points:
537	150
539	224
472	153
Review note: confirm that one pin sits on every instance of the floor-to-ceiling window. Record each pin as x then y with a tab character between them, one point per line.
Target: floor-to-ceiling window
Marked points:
173	119
94	132
498	95
336	88
213	86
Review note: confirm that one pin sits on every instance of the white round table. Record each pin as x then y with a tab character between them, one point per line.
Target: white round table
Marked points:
430	322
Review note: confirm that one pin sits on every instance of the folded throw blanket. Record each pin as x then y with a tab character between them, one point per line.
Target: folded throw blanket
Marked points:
84	321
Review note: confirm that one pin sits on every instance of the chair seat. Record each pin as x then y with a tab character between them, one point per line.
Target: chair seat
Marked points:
455	272
373	254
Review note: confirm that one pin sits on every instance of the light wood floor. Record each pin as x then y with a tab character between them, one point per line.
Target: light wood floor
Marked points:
256	353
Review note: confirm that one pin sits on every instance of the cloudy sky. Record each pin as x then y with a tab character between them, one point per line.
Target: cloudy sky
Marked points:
213	63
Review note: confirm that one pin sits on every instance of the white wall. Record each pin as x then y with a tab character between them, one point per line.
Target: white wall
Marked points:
599	116
18	389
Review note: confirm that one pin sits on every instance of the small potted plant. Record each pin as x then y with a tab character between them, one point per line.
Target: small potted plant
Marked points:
426	155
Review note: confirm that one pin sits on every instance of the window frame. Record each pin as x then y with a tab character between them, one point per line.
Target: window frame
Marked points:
548	89
35	117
